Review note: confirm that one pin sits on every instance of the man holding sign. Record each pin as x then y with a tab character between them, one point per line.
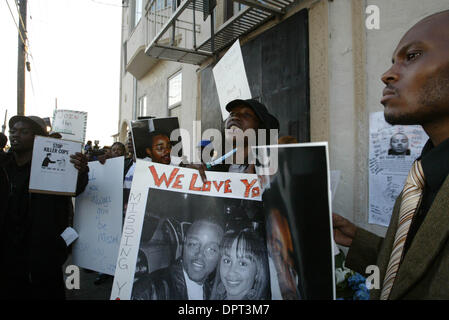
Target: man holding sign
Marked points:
32	250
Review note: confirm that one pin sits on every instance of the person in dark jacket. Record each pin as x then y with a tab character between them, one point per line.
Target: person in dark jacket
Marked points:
3	141
32	250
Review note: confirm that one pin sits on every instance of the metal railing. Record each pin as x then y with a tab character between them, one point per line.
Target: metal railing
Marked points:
176	29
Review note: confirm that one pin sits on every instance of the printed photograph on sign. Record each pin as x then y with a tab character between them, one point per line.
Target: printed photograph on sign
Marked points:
195	247
176	225
152	139
297	210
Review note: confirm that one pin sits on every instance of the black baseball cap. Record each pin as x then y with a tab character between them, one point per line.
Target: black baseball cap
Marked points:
37	123
267	119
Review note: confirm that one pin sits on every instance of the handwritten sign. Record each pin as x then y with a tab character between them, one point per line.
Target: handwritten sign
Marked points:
230	78
70	124
228	185
149	176
98	217
51	169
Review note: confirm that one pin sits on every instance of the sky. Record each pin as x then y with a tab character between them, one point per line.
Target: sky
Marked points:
74	51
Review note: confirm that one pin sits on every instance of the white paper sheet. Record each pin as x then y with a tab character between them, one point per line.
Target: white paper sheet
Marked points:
98	217
387	170
230	78
70	124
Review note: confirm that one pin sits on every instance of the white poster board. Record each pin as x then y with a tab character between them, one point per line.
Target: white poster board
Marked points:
152	175
70	124
230	78
51	169
98	217
392	150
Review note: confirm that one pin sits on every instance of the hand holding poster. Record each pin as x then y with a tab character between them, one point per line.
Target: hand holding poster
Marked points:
230	78
51	169
70	124
98	217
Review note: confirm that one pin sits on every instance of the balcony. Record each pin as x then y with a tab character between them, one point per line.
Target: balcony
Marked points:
183	31
174	32
138	63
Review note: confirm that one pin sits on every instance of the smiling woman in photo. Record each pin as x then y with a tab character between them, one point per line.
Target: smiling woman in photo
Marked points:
242	272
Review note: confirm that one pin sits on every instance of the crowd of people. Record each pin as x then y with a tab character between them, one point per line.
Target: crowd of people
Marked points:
413	257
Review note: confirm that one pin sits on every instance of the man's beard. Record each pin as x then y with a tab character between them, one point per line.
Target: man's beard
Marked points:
432	100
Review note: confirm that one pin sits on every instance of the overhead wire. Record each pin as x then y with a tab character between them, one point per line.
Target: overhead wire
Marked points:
18	29
20	16
26	45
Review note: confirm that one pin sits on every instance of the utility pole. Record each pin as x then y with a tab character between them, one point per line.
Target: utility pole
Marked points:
21	63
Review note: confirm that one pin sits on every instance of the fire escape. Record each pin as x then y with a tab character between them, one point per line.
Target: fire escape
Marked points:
184	30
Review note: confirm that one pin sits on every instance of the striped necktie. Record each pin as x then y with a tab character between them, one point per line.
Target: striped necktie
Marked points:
411	196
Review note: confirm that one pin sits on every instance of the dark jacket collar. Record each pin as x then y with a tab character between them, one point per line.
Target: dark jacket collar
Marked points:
435	163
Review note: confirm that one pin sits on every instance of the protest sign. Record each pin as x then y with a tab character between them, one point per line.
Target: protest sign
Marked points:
392	150
51	169
98	217
297	206
169	204
145	130
230	78
70	124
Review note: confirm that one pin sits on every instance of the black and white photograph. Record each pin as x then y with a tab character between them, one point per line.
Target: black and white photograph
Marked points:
195	247
399	145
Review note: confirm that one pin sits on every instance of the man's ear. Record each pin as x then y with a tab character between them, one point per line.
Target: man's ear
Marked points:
148	151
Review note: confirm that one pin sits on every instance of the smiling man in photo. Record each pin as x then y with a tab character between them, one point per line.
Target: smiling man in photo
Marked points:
191	277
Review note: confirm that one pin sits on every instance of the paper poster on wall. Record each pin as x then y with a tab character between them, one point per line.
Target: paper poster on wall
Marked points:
176	226
98	217
51	169
70	124
230	78
392	150
297	208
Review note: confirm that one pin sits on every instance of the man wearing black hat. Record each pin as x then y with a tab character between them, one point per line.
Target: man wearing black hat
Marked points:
32	251
244	115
